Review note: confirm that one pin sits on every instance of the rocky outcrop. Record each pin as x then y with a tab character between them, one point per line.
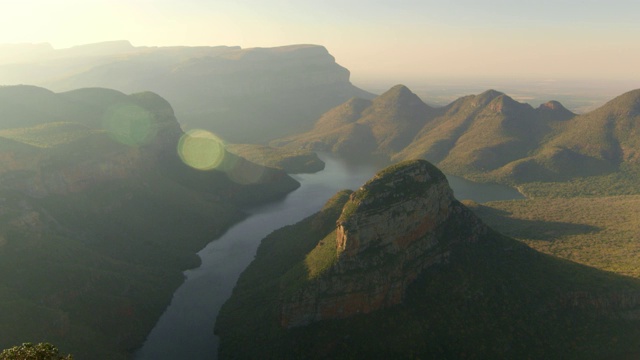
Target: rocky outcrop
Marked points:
398	224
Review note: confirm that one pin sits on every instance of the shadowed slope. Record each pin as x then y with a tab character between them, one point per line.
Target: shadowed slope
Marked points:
381	127
99	215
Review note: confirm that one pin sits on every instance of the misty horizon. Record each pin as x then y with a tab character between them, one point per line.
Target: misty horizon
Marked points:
290	179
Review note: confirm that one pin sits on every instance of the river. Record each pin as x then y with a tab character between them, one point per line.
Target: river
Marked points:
186	327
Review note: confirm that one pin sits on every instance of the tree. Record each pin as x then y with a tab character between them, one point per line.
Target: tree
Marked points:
28	351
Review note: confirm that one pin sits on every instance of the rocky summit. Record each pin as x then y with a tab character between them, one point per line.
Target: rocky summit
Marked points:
390	230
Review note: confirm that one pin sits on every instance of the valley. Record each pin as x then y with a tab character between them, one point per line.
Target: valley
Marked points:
186	324
129	229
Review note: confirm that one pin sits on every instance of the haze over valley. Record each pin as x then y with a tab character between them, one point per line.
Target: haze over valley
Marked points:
292	180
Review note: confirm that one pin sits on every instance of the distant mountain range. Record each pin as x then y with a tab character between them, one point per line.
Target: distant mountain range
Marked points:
243	95
99	215
399	269
488	137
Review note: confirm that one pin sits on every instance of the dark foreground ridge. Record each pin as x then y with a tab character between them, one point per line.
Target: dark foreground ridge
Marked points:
400	269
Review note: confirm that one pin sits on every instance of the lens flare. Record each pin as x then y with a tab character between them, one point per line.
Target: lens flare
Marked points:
201	150
129	124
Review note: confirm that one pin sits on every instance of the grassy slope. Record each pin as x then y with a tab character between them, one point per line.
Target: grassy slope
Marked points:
291	161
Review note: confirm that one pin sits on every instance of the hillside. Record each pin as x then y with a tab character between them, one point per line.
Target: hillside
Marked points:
291	161
99	215
491	137
400	269
243	95
359	127
602	143
473	135
601	232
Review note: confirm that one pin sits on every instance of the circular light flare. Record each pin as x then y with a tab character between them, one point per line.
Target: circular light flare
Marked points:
201	149
129	124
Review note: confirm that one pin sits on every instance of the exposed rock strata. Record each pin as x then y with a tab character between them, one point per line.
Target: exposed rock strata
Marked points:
395	226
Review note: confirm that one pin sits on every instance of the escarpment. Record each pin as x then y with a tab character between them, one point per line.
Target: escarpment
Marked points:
398	224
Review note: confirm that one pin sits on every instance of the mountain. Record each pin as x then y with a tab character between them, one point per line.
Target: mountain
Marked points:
360	127
243	95
488	137
400	269
473	134
100	215
599	142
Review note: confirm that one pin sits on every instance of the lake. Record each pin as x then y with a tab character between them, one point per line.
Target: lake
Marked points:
186	327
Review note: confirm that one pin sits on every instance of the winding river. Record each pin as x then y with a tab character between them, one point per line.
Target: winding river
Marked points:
186	327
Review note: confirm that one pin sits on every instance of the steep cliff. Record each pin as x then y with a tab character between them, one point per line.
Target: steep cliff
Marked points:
390	230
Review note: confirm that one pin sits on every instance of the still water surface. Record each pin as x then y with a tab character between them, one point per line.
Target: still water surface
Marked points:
186	327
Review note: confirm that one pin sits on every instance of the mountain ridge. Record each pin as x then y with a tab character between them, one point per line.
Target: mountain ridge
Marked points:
276	91
492	137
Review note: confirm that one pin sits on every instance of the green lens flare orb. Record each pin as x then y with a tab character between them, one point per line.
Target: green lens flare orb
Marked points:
201	149
129	124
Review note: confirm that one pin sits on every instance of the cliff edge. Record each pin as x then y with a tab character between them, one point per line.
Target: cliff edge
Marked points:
389	231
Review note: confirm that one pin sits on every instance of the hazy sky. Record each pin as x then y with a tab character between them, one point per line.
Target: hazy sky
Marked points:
384	38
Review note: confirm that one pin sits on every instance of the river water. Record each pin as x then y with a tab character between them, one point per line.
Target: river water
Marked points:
185	330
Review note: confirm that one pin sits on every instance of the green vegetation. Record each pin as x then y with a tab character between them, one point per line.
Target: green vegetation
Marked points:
50	134
291	161
388	185
495	298
601	232
99	217
322	257
29	351
282	260
547	151
359	127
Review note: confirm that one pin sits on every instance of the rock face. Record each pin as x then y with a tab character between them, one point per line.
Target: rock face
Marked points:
394	227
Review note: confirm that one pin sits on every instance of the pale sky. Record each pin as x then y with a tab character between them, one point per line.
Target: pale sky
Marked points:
596	39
